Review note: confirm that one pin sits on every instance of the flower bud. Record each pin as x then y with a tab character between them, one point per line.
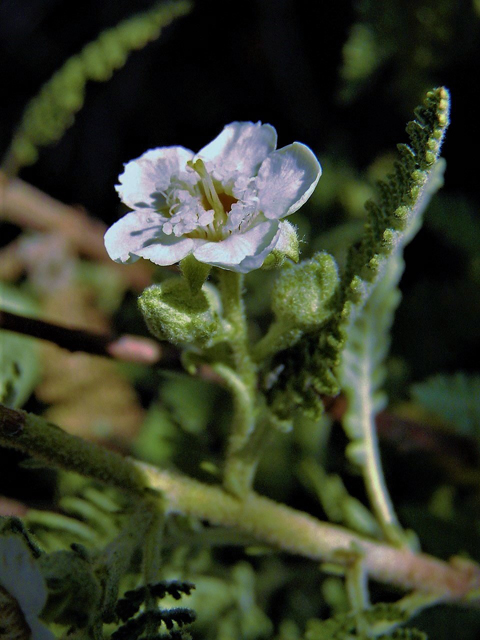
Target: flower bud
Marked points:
173	313
286	247
303	293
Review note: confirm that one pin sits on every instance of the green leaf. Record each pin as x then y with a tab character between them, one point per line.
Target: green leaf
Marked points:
190	400
19	355
454	398
157	439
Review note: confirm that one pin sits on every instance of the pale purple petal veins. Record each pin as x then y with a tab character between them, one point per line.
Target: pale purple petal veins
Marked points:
166	250
145	179
241	146
242	252
287	179
132	233
259	186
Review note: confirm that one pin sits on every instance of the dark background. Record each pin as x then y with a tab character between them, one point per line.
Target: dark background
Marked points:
277	61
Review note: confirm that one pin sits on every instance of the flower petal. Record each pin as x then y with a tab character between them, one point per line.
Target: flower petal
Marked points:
287	179
242	147
20	576
168	250
242	252
146	177
132	233
139	235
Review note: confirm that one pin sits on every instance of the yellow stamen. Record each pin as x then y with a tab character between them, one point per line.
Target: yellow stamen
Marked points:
210	193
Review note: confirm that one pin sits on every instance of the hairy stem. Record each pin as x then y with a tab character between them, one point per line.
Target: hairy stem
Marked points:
35	436
231	285
238	472
268	522
362	373
278	337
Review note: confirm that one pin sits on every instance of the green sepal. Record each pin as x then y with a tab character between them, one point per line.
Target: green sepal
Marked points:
194	272
173	313
303	293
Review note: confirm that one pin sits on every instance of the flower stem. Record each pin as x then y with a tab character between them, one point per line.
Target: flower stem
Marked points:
238	470
34	435
231	285
278	337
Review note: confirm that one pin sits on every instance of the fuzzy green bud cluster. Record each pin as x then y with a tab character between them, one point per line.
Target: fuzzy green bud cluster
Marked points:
303	293
172	312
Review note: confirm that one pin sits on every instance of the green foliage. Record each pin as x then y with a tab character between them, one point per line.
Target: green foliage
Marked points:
91	515
87	552
454	398
53	110
74	591
151	620
411	39
371	623
227	605
362	374
462	230
337	503
157	438
19	356
312	368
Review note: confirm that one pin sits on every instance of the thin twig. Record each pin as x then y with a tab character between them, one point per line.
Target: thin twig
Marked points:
129	348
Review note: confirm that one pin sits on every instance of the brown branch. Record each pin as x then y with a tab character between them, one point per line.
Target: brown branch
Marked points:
127	347
29	208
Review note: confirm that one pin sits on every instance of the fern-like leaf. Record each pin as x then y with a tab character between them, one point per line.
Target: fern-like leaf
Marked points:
135	627
53	110
312	367
131	602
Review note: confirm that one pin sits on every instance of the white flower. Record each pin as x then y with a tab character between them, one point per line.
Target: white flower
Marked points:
224	205
23	593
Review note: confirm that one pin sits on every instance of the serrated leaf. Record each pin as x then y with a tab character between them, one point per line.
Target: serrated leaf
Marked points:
312	367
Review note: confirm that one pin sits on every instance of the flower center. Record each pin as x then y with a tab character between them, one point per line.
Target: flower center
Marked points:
199	206
212	198
209	190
